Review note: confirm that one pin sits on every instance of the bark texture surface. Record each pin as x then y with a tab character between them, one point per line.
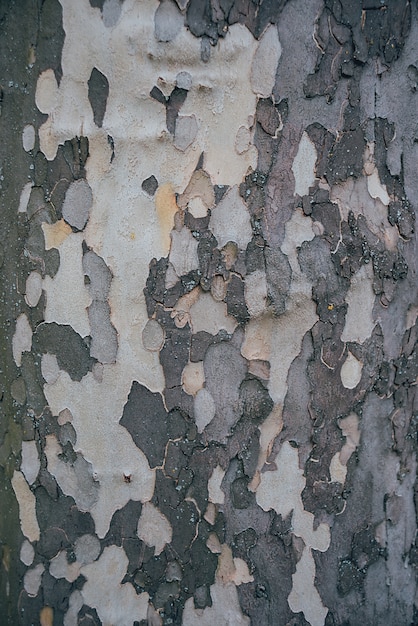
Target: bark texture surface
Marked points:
208	312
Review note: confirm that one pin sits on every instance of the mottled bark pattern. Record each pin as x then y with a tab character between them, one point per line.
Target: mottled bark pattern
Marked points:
209	312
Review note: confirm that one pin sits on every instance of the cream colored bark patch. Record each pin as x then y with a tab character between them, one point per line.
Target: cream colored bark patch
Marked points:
337	470
27	508
46	96
265	61
154	528
376	189
22	339
303	166
96	408
360	298
351	371
193	378
166	207
116	604
67	296
215	492
230	220
225	609
304	596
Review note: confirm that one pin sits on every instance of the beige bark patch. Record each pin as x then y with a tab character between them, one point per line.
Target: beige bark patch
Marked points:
46	616
154	528
199	188
27	508
166	208
197	208
376	188
46	96
218	288
351	371
193	377
337	470
55	234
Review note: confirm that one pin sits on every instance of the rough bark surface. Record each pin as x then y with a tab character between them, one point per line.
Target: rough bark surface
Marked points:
208	312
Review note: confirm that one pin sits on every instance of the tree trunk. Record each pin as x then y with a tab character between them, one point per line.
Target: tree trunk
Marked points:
208	316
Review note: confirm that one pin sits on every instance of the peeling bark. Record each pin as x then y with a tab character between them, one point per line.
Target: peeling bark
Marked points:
209	312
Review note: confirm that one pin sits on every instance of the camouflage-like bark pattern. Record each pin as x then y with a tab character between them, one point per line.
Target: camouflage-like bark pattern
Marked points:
209	306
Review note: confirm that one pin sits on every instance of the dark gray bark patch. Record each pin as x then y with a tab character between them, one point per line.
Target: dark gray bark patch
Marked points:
279	274
71	350
144	417
150	185
346	157
98	93
235	300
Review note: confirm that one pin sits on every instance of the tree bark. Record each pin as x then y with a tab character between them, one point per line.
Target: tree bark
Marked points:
209	303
